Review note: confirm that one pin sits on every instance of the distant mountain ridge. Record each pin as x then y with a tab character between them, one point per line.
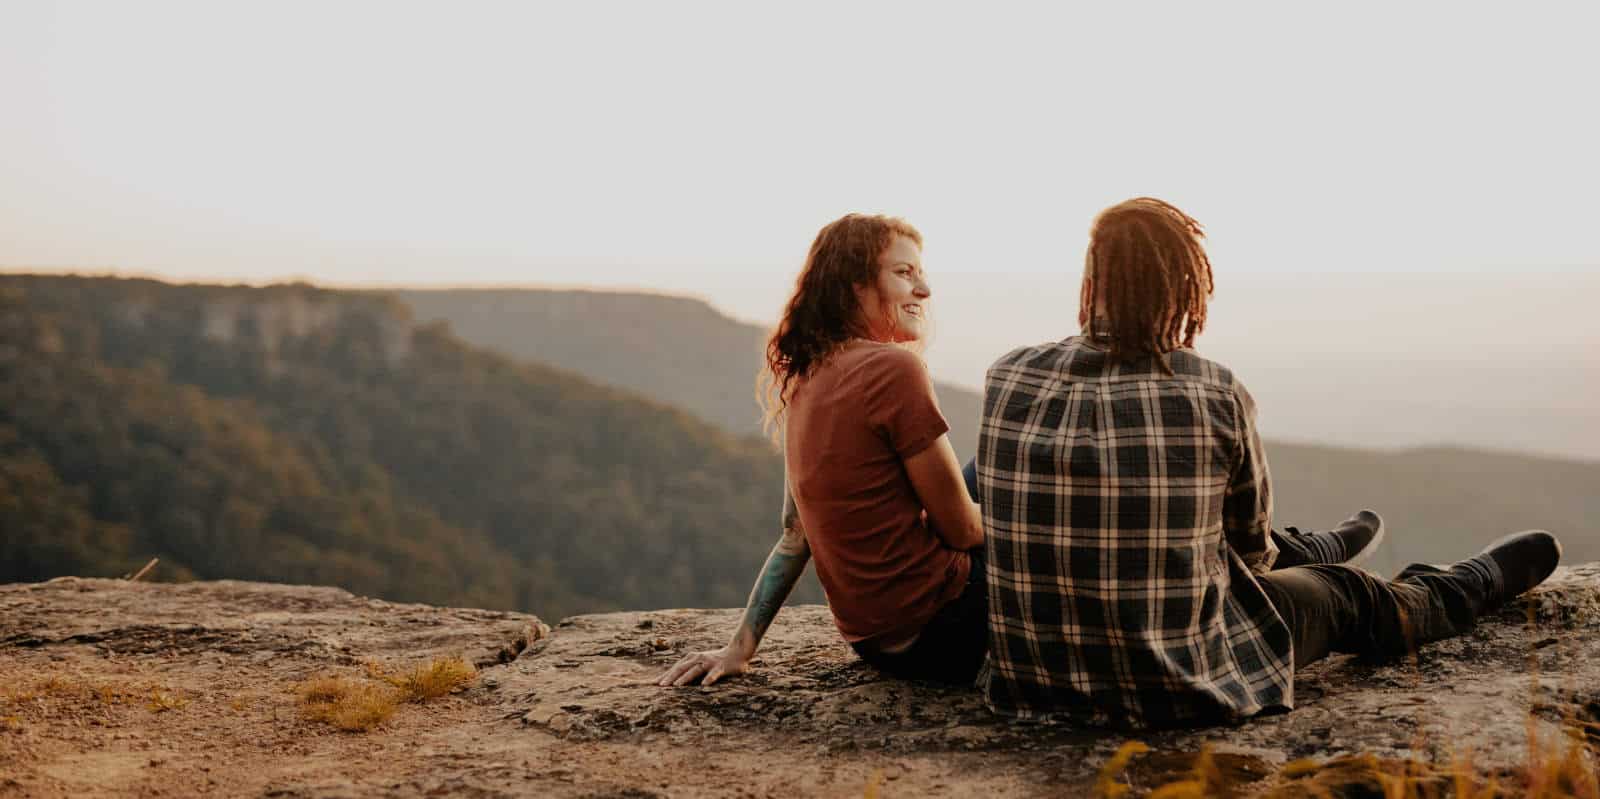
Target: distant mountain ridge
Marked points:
678	350
1439	503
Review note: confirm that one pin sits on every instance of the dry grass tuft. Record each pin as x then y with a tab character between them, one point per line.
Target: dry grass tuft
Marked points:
323	690
1562	769
430	680
15	695
1107	786
353	704
1557	772
1566	768
346	704
69	690
1205	780
162	701
56	685
1364	775
874	785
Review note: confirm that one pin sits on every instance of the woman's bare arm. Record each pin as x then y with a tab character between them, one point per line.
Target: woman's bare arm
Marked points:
784	566
936	475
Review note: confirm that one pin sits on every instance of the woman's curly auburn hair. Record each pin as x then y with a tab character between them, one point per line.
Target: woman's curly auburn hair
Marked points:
823	312
1151	275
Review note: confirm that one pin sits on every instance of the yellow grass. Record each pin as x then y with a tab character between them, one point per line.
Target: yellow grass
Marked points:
76	689
874	785
355	705
1107	786
1204	780
430	680
346	704
162	701
1562	769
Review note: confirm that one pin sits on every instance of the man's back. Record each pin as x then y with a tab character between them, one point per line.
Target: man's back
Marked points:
1124	509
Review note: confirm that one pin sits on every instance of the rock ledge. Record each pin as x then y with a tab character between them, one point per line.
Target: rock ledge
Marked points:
573	710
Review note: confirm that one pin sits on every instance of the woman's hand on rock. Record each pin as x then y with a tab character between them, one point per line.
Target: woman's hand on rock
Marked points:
705	667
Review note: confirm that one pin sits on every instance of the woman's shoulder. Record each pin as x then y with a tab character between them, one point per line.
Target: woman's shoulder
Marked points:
883	362
882	354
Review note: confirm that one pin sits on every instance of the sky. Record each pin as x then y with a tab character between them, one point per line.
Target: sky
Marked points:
1439	157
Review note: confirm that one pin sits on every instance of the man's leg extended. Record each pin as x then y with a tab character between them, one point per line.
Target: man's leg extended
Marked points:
1332	608
1335	608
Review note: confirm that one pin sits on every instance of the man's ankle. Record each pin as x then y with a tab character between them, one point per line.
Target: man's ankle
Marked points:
1484	572
1518	562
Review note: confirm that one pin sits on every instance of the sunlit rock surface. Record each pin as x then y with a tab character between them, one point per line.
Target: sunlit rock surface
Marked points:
572	710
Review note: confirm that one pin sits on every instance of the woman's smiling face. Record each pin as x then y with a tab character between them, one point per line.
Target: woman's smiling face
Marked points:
895	305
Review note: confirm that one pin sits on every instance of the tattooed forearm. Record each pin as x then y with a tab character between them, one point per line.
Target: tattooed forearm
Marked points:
783	569
777	579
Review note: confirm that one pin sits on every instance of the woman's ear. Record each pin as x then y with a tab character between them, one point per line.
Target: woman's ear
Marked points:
1085	300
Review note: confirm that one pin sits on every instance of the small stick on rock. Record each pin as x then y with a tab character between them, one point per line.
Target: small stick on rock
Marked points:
145	570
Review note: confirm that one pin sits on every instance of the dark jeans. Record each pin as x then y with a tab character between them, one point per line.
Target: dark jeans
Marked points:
952	644
1333	608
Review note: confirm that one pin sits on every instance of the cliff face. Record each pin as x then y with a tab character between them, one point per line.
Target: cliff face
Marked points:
110	687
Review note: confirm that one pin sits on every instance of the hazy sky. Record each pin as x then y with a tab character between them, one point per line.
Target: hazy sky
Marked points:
697	147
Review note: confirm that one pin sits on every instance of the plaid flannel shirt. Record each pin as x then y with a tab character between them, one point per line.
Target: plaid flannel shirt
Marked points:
1125	511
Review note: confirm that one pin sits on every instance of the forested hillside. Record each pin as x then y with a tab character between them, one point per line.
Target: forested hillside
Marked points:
1440	503
295	434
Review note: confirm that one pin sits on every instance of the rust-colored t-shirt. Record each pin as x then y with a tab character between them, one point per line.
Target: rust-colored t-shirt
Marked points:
851	424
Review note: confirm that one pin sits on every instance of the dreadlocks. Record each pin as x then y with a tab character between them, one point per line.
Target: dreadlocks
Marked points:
1149	277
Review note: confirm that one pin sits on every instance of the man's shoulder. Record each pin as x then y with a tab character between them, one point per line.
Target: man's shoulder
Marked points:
1195	366
1048	355
1074	359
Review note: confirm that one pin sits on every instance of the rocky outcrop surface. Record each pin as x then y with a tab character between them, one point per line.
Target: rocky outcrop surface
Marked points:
590	681
256	621
574	711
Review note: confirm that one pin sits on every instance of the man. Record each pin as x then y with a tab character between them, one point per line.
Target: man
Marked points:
1128	509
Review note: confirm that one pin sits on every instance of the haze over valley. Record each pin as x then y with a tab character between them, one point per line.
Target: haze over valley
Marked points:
1355	359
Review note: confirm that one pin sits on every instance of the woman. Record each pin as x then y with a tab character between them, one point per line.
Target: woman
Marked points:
875	493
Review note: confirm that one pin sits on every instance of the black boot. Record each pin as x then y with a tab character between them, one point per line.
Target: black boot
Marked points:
1360	536
1353	541
1521	561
